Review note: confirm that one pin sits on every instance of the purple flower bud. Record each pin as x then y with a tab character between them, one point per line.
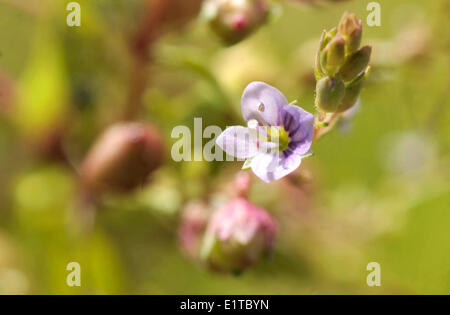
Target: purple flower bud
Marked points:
122	158
350	28
329	93
193	225
234	20
355	64
238	235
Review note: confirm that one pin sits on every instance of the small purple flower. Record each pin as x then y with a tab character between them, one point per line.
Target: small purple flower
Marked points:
278	136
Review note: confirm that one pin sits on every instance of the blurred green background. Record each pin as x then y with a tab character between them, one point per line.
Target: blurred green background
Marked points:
377	188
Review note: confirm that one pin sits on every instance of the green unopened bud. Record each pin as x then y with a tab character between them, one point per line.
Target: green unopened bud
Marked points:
326	37
333	55
234	20
350	28
352	92
355	64
329	93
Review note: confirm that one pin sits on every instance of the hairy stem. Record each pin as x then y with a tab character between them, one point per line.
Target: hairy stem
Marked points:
321	119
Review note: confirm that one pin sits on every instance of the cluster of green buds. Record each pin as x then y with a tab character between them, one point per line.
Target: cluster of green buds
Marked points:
341	66
234	20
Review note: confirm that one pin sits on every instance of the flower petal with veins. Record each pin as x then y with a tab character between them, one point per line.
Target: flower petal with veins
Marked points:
273	166
261	101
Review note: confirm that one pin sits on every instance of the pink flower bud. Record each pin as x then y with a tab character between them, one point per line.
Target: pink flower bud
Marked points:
242	184
193	225
240	22
238	235
122	158
234	20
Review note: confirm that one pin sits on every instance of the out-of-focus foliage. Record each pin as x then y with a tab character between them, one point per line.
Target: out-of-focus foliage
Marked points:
376	189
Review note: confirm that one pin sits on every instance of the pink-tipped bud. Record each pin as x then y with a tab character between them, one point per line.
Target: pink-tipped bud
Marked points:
240	22
122	158
234	20
238	235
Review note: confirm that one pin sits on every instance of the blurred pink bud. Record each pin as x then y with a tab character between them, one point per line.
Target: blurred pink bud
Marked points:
193	226
238	235
234	20
240	22
242	184
122	158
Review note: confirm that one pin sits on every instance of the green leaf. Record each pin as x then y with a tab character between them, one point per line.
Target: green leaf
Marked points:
247	164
